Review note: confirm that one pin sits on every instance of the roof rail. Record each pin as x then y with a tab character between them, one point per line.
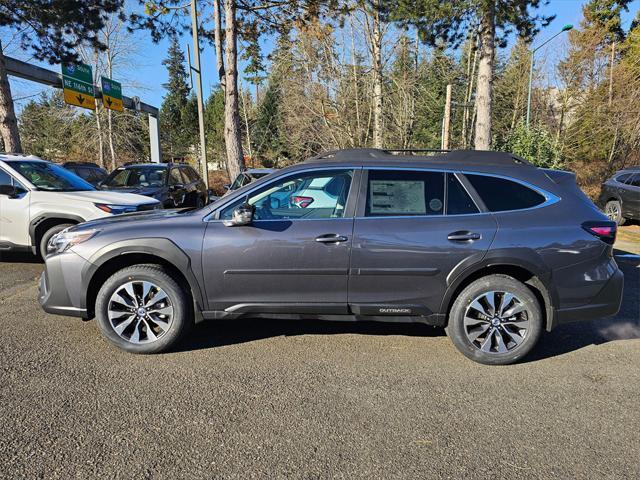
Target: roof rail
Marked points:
415	150
468	157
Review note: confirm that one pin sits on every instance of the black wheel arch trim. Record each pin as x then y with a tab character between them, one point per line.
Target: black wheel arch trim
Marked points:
158	247
48	216
508	258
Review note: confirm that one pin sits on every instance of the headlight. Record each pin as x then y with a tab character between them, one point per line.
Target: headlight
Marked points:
67	239
116	209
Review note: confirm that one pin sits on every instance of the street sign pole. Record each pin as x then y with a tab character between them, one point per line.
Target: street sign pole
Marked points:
196	69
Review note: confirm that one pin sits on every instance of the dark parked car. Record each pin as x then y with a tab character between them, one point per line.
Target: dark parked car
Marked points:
88	171
482	243
620	196
248	176
176	185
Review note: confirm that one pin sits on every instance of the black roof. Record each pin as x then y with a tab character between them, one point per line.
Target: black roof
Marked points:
81	164
464	157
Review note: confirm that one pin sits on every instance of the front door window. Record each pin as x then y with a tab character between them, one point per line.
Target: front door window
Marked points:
311	195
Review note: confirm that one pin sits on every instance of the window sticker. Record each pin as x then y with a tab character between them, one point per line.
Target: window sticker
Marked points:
397	196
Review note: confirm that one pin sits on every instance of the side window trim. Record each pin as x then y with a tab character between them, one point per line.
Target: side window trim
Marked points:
352	199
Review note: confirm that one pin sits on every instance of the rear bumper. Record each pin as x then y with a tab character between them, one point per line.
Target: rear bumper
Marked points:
60	288
605	304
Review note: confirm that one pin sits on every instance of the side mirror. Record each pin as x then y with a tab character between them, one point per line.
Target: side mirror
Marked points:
242	215
177	186
11	191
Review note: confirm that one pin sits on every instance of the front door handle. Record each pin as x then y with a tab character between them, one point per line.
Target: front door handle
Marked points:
331	238
463	236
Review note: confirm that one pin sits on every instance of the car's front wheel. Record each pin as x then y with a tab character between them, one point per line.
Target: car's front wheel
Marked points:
496	320
142	309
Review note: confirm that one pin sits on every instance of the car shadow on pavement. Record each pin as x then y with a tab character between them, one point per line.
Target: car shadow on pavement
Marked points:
229	332
563	339
18	257
623	326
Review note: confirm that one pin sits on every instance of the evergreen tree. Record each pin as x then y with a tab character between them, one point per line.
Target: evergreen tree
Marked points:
176	136
254	70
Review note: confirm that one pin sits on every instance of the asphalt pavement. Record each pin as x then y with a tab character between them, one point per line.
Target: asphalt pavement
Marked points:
278	399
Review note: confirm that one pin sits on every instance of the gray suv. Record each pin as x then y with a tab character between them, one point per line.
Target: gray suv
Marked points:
482	243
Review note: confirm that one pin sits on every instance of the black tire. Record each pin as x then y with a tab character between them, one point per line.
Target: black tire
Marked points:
503	346
44	240
182	316
200	202
613	210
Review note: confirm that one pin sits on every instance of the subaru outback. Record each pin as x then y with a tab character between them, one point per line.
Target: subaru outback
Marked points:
482	243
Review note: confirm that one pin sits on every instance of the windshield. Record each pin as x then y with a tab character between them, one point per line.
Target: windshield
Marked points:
50	177
137	177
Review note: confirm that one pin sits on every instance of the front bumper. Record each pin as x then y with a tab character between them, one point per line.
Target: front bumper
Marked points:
60	290
605	304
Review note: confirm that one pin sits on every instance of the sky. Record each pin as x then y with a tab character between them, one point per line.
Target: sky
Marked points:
146	75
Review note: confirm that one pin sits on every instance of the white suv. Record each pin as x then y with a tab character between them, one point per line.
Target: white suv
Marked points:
39	199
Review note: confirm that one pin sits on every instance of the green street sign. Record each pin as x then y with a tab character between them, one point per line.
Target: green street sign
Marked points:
111	94
77	86
79	71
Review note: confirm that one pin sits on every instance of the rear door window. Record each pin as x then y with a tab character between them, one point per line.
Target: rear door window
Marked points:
459	202
635	181
404	193
501	194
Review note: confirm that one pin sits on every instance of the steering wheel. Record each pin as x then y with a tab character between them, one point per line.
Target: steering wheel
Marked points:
263	212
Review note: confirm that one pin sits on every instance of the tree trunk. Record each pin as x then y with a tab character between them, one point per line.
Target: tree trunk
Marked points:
232	133
8	122
484	93
217	41
376	50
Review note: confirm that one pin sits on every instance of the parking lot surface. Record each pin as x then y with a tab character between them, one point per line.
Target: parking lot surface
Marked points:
276	399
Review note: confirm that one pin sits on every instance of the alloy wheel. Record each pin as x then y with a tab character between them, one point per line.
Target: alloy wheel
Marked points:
612	211
140	312
496	322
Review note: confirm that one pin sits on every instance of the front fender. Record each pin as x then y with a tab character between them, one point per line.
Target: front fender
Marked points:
159	247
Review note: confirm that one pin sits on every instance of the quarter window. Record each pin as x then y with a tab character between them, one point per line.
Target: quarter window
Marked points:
404	193
309	195
635	181
500	194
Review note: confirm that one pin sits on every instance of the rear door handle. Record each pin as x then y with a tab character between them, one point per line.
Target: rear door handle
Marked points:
463	236
331	238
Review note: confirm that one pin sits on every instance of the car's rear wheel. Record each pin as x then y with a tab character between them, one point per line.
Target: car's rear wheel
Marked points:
142	309
48	235
496	320
613	210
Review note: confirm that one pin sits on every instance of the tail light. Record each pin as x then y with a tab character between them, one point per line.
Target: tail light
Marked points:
605	231
301	202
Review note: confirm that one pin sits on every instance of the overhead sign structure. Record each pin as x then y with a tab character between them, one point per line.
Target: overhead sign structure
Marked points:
112	94
77	84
